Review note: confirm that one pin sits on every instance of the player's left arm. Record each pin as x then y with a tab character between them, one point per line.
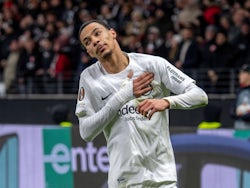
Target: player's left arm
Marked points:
193	97
187	94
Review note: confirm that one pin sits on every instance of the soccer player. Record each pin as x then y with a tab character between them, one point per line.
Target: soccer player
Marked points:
128	96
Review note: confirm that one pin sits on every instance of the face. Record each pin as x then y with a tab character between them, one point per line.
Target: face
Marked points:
187	34
209	35
99	41
220	39
244	78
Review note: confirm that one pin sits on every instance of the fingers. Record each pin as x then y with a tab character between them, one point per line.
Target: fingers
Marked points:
145	79
146	108
150	113
141	85
140	91
149	106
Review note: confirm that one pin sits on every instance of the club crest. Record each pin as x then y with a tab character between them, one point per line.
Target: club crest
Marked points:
81	94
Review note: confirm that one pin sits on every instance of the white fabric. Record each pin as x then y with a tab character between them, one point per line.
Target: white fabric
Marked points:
139	149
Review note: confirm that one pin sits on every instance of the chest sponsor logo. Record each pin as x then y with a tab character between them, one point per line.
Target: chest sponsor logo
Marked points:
130	112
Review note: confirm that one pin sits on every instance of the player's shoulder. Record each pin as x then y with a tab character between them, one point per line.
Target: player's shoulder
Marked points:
89	75
91	72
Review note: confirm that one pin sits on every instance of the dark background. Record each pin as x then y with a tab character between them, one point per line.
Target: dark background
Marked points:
38	111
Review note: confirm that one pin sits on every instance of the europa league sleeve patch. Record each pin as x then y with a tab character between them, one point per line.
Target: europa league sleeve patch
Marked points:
81	94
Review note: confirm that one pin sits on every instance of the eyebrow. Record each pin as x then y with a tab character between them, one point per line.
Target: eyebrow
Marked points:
90	34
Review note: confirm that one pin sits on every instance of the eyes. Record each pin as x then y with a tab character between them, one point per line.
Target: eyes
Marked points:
87	41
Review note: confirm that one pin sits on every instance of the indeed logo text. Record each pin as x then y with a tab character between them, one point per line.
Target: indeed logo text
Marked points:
128	110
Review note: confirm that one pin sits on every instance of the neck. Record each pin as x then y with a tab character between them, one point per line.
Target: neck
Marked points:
116	63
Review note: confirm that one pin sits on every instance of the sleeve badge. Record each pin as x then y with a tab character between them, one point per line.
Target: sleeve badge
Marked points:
81	94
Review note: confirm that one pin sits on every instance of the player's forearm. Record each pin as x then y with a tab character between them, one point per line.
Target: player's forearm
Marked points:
194	97
92	125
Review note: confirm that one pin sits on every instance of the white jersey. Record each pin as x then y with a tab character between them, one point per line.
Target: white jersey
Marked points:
139	149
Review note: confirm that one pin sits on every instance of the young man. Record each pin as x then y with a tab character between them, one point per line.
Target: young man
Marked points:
127	96
242	106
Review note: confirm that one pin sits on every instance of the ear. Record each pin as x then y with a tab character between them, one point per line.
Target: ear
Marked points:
113	32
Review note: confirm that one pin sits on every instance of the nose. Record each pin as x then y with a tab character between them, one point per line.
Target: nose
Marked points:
95	41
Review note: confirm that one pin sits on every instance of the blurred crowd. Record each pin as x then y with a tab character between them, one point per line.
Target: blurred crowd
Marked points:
40	52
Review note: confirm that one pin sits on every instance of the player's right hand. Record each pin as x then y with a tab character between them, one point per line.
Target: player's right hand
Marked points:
141	85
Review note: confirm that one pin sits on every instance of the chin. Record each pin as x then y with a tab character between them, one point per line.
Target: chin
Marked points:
106	55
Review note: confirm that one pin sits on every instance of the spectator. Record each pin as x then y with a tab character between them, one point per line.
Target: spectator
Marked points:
106	14
123	17
32	8
153	40
169	48
28	68
39	26
8	35
161	13
207	47
225	24
241	109
211	11
242	43
85	61
137	25
188	55
188	16
208	44
223	59
47	55
61	68
44	6
238	17
131	43
247	5
10	65
56	8
27	23
68	13
81	16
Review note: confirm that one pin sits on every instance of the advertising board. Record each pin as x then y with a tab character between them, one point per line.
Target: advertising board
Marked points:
56	157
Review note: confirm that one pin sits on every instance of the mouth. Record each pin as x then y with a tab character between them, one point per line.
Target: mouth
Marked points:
100	49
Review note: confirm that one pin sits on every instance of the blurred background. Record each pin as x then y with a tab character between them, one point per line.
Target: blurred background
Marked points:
41	61
41	58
